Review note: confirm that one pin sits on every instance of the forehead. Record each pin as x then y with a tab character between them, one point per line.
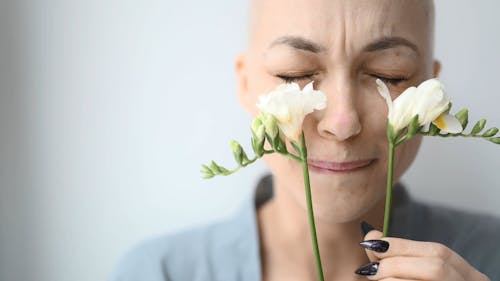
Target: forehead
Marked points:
342	24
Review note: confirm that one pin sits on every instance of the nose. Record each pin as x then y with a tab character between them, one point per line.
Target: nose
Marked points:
341	118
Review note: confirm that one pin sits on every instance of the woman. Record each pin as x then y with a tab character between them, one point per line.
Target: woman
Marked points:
343	46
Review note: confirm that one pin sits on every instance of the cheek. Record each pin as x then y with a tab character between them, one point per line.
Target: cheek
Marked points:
284	170
405	155
259	81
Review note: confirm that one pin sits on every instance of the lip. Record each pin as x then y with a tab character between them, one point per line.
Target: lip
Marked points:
338	167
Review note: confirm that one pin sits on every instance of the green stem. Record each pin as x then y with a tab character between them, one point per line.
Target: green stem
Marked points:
250	161
388	194
447	135
293	157
310	212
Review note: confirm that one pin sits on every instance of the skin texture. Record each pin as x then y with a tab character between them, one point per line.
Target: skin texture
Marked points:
341	49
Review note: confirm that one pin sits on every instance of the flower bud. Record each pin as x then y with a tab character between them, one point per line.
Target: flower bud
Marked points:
239	154
495	140
258	129
478	127
258	147
256	124
206	172
490	132
271	126
463	117
216	169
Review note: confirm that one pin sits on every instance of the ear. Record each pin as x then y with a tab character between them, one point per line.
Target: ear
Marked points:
437	68
241	68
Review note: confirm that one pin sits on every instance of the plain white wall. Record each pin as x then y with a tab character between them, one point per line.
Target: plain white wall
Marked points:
108	107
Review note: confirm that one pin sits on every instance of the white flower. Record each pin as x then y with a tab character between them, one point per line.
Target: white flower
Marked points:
428	100
399	111
289	105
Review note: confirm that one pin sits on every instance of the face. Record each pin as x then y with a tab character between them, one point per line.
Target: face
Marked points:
343	46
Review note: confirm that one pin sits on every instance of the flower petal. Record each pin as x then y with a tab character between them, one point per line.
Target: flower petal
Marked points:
384	92
308	88
289	105
431	101
402	112
448	123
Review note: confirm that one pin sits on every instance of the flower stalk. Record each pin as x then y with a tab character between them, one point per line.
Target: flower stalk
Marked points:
388	195
310	211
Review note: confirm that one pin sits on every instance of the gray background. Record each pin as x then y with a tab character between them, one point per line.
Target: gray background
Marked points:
108	107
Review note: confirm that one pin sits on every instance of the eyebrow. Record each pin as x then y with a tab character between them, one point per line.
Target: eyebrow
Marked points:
383	43
299	43
389	43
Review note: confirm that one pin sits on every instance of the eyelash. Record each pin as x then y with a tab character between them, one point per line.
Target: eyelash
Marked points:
391	80
290	79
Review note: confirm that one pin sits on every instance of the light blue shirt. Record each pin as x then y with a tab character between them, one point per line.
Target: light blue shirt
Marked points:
229	250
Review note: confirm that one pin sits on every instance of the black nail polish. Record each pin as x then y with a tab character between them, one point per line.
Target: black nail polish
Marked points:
379	246
366	227
368	269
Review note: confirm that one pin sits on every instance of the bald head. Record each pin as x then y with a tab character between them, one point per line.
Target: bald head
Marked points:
264	14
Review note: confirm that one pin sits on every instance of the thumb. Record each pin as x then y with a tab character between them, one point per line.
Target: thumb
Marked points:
372	234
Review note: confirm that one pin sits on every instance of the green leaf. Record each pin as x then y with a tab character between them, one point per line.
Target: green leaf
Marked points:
463	117
413	127
447	111
244	159
296	146
478	127
273	142
433	130
495	140
490	132
280	144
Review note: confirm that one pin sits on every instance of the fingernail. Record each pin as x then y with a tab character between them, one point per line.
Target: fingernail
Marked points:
368	269
366	227
379	246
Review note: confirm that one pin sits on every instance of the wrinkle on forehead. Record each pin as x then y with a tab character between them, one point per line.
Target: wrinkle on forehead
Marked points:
259	7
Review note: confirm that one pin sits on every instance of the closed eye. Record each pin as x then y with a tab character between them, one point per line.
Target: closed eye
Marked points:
290	79
391	80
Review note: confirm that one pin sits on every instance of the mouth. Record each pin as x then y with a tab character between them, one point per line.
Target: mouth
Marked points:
326	167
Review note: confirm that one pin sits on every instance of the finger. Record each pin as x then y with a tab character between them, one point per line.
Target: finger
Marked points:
415	268
409	248
372	235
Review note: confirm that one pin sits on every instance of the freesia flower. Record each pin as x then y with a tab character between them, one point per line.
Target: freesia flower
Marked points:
428	100
399	111
289	105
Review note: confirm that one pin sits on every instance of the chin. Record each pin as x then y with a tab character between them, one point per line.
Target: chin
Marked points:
344	199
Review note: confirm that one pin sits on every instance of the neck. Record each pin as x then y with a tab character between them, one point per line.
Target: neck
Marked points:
286	246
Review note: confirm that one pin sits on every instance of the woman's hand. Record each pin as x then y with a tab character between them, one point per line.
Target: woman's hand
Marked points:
401	259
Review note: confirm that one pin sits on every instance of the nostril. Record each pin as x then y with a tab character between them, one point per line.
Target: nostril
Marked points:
339	126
